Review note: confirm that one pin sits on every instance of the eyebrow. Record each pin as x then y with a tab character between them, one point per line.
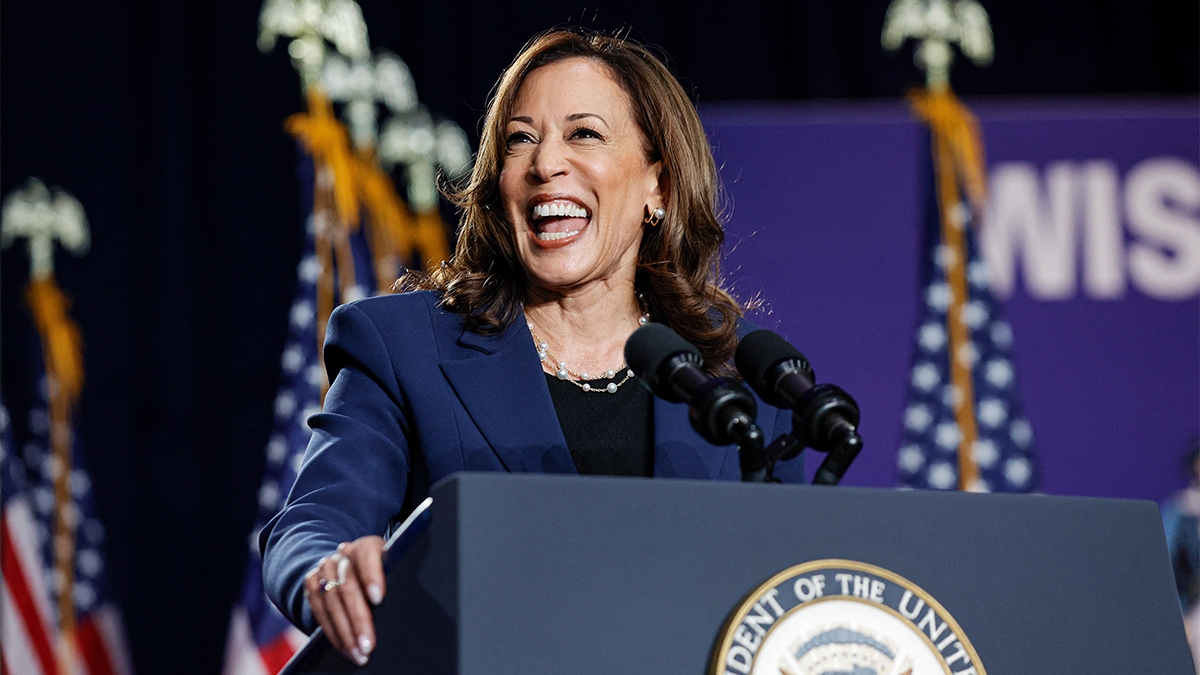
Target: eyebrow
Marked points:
579	116
573	117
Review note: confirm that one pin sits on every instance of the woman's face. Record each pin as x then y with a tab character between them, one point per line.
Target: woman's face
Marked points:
575	181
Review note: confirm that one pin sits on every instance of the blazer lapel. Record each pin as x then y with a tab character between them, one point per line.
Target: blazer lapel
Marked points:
495	371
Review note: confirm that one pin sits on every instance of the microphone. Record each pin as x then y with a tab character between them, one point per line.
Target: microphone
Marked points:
719	410
824	417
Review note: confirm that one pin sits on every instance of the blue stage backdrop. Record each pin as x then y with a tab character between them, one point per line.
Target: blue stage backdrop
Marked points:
1092	237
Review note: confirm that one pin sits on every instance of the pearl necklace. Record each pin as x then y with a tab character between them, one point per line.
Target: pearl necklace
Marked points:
562	372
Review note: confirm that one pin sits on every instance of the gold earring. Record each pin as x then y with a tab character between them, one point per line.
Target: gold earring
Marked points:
655	217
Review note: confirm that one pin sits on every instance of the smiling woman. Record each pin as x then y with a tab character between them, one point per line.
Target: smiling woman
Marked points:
677	266
590	210
576	181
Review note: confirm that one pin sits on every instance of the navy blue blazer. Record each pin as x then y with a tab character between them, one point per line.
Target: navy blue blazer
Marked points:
415	397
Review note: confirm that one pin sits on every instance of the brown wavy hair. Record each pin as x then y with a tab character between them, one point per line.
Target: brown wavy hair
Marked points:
678	276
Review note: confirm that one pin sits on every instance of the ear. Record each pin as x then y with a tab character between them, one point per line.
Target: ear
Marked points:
660	188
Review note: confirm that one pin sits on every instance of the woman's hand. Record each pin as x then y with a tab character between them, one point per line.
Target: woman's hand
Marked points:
342	588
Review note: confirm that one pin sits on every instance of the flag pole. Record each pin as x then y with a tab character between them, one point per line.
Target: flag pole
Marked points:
44	218
960	400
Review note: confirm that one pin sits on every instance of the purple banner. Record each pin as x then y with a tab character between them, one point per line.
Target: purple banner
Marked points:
1092	237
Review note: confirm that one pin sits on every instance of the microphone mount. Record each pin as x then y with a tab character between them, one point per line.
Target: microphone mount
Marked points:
824	417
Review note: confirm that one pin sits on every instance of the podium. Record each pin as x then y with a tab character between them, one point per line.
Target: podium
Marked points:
539	574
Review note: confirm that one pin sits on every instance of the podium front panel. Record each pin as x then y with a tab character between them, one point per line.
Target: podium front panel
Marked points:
564	574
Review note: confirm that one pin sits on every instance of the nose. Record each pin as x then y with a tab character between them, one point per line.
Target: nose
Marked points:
549	160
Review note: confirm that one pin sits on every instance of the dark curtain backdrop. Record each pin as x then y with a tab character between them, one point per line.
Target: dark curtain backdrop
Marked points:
165	120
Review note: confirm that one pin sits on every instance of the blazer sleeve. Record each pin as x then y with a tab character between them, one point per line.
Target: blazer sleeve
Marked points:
354	472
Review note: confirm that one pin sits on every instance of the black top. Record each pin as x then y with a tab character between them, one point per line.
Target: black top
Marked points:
607	434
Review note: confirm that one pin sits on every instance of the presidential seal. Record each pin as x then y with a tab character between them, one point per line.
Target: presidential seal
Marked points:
841	617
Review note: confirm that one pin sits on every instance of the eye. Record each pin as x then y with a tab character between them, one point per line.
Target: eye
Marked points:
583	133
518	137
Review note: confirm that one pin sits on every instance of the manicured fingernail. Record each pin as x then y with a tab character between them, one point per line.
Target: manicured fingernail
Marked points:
358	657
375	593
364	644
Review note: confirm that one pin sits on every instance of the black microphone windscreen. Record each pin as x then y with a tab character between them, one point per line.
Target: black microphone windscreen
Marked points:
758	352
650	346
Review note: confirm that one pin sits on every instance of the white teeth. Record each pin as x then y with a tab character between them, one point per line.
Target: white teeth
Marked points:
551	236
559	209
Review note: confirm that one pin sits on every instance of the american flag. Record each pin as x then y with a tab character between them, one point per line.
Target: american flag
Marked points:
360	234
43	631
964	427
261	639
355	227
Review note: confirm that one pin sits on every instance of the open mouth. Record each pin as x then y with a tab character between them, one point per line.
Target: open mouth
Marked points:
557	220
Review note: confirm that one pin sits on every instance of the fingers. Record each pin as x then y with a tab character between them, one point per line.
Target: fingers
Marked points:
321	587
329	608
341	590
357	631
369	563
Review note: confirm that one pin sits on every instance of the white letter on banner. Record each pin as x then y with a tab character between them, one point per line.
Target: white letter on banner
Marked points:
960	654
911	616
1162	195
739	659
1103	238
930	625
877	587
1045	236
806	589
845	581
862	586
758	619
746	639
769	597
